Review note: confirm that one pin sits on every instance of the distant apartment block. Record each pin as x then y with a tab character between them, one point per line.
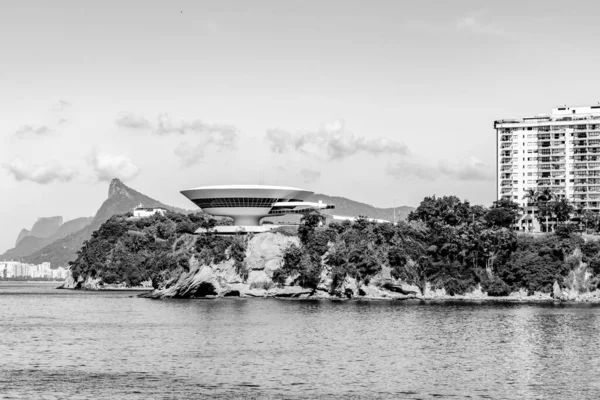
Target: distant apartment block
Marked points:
558	151
16	269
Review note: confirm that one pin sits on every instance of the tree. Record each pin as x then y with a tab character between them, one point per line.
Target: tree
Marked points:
532	197
447	210
495	243
310	221
562	209
546	196
503	214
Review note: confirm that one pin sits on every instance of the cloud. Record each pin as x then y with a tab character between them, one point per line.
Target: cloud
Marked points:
310	176
189	155
60	105
334	140
409	170
475	24
469	169
106	166
25	130
128	120
224	137
221	135
42	174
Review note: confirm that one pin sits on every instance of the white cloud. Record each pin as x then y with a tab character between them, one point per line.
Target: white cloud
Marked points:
42	173
332	139
128	120
106	167
26	130
189	155
60	105
221	135
224	137
469	169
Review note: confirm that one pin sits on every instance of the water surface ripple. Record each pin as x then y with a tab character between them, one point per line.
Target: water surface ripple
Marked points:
111	345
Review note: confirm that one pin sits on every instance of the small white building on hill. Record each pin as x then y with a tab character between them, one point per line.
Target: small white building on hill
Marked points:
141	211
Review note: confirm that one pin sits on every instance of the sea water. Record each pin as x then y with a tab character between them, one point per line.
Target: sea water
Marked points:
114	345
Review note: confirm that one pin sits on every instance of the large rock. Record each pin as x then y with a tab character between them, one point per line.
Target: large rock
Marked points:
265	252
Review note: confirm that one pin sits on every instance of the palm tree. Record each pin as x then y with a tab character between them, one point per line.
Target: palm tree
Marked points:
562	209
546	196
532	197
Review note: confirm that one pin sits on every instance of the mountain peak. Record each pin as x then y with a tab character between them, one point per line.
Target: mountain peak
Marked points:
118	188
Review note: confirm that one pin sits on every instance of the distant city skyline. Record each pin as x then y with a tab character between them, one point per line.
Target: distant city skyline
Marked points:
371	101
17	269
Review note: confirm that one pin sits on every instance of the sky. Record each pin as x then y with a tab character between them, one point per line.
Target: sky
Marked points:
383	102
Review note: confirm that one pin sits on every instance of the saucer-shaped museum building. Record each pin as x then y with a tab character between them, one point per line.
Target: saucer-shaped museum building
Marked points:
247	204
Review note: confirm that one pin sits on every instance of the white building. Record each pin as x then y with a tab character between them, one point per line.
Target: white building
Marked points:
341	218
248	204
16	269
141	211
558	151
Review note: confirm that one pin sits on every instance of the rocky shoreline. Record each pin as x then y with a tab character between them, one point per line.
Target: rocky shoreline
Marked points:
367	293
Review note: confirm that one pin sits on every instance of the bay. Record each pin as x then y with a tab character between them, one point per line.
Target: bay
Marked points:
113	345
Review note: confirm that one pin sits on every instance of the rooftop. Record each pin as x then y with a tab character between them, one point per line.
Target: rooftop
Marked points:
561	116
266	187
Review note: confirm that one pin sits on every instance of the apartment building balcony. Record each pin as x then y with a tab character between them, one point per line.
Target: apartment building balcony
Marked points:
586	145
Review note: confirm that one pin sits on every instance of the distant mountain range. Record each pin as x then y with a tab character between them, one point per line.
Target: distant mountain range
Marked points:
44	232
62	247
351	208
51	240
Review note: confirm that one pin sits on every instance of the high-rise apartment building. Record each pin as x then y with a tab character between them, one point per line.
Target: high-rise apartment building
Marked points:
558	151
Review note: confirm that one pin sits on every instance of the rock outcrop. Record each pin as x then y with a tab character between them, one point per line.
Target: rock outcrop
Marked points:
96	284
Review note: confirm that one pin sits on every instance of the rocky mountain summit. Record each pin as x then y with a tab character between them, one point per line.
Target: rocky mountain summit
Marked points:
121	200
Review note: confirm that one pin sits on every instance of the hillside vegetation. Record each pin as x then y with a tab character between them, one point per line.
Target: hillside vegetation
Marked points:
445	244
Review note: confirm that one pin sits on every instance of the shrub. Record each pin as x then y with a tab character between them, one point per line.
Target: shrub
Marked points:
454	286
279	277
241	269
495	287
290	231
266	285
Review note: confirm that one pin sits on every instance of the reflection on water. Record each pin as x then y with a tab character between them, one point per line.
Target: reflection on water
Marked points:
111	345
